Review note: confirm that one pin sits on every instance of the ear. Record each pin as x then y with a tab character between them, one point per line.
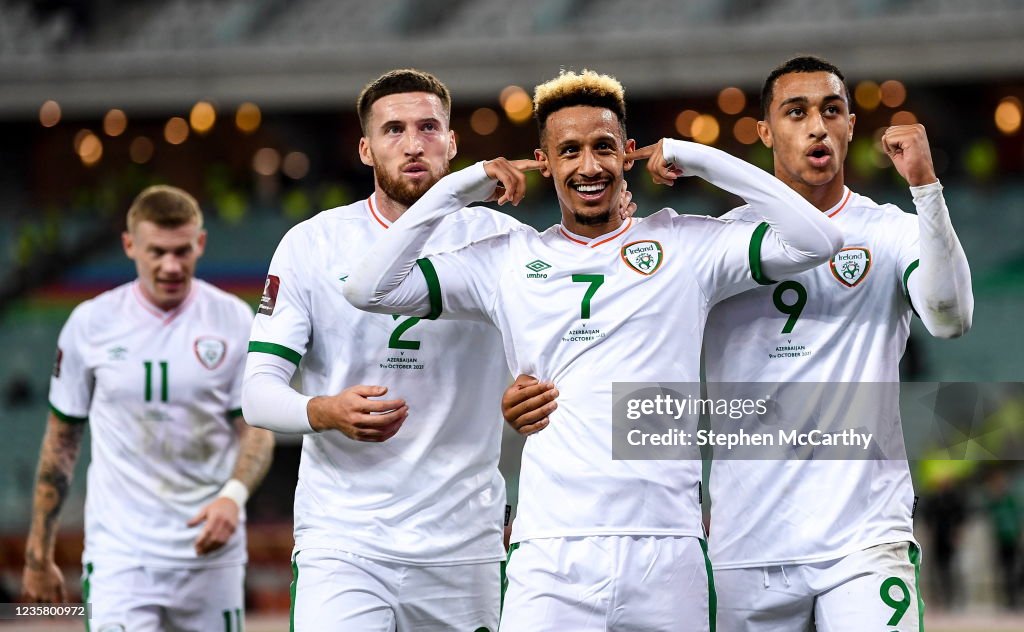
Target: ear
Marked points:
765	133
853	120
365	154
452	148
201	243
542	158
128	244
630	148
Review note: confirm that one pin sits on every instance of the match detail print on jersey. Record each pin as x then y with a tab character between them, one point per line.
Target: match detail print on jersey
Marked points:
643	256
851	265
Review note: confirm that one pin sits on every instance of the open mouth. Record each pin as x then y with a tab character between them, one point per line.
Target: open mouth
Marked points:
589	190
820	155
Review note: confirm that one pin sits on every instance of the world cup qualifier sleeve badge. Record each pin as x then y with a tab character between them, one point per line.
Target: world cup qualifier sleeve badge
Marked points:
644	256
851	265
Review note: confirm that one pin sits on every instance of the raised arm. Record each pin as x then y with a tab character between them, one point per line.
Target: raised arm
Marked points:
42	579
940	287
388	279
800	236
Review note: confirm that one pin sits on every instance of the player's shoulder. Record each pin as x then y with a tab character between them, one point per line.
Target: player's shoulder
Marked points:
97	310
222	300
332	221
862	205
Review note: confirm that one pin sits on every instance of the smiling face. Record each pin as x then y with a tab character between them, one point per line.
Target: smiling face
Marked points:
808	127
408	144
165	259
583	150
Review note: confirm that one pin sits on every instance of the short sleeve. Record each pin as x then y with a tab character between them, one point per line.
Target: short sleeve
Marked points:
283	320
726	253
72	380
464	283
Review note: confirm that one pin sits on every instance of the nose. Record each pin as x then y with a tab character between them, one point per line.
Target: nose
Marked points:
413	144
589	166
170	265
818	129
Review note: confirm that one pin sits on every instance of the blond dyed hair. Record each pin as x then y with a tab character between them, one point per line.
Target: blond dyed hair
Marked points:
165	206
570	89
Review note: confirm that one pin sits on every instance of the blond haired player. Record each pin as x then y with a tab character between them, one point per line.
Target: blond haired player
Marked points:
823	544
155	368
602	544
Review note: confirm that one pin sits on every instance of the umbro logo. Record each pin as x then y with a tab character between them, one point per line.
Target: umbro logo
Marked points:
536	268
116	353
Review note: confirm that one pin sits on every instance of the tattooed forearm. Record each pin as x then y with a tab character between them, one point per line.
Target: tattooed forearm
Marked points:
57	459
255	451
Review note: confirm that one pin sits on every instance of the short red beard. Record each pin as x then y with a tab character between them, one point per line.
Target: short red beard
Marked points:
404	192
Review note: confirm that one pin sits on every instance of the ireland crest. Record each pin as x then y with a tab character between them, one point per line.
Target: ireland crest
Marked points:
643	256
210	351
851	265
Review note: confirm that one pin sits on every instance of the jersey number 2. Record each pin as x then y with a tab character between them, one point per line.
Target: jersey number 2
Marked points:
149	380
396	342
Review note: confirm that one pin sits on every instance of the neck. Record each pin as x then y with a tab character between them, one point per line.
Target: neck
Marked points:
390	209
569	221
824	196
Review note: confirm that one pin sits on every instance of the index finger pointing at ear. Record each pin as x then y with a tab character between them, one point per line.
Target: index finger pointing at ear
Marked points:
643	153
527	164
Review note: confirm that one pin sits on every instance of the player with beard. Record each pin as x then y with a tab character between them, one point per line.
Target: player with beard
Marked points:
392	528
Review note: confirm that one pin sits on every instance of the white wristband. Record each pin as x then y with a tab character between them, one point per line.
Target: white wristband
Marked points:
236	491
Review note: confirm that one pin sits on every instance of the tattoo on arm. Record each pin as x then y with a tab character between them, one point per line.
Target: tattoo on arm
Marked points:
61	446
255	452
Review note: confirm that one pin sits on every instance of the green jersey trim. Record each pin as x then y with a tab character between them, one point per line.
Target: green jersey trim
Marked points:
915	559
280	351
68	419
236	412
755	254
712	595
906	279
433	287
291	592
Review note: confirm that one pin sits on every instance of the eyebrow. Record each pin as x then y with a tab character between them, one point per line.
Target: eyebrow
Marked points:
387	124
801	99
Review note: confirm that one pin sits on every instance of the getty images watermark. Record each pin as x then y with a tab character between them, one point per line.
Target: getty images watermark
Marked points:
821	421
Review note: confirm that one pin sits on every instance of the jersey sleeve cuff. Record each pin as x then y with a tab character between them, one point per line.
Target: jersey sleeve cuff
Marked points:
755	254
433	287
280	351
68	419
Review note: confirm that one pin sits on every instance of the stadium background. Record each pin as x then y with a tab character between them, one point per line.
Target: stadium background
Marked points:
248	104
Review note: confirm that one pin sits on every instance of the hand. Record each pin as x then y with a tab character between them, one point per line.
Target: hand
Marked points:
527	403
662	172
356	415
907	147
626	205
511	177
221	517
42	582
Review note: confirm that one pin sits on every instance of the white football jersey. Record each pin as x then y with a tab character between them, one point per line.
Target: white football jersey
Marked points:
160	391
432	494
844	322
629	306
